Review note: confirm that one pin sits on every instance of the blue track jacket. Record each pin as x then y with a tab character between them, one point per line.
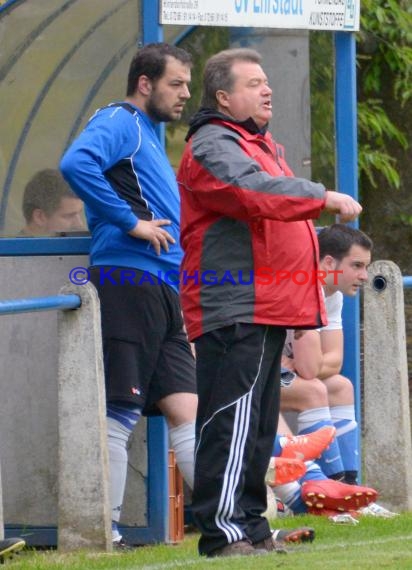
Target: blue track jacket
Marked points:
119	168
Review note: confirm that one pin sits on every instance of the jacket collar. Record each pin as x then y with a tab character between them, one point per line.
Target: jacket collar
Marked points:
205	115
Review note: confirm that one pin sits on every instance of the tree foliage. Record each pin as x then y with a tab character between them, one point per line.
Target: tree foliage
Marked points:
385	45
384	62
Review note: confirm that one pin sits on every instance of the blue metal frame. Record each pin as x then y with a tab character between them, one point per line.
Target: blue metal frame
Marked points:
8	4
45	536
157	437
44	246
59	302
153	32
347	182
157	529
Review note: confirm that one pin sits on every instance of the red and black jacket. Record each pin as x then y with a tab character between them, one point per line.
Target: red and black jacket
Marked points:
250	248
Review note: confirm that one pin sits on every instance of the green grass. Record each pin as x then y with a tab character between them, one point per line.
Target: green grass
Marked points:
373	543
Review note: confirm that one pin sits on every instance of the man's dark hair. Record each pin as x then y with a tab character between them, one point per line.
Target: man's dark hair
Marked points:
337	239
151	61
45	191
218	72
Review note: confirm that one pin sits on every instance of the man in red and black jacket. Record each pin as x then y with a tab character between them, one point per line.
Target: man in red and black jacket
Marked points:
249	271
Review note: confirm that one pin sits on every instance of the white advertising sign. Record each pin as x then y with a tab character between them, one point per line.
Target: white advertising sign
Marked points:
334	15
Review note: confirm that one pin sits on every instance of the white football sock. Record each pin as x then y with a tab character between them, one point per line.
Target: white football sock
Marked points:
182	441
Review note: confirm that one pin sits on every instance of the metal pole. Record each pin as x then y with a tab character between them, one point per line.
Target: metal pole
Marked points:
152	33
158	473
63	302
347	182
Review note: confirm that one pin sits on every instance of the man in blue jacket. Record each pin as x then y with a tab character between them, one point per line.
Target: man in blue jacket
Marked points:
119	168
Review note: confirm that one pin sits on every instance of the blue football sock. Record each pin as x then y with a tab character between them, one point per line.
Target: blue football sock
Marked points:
290	494
277	448
298	506
347	434
313	472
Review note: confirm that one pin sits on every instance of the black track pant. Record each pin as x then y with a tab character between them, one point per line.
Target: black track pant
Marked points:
238	382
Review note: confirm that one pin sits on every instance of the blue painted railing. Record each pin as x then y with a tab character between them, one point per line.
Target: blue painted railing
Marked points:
51	303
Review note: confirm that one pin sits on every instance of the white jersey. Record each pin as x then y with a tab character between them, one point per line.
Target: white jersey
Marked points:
333	305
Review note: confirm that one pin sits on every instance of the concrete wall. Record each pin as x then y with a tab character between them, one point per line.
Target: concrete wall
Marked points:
28	409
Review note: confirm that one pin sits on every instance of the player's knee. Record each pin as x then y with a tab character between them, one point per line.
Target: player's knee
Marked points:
317	396
309	394
178	408
340	388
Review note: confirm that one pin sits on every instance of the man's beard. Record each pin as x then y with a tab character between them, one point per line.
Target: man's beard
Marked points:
157	114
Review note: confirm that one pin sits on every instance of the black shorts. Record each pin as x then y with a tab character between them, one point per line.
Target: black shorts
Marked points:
146	352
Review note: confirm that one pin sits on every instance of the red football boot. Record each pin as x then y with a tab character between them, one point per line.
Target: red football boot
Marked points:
335	495
308	446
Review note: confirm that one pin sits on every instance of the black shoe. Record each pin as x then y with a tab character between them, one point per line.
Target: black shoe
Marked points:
239	548
301	534
10	546
122	545
271	545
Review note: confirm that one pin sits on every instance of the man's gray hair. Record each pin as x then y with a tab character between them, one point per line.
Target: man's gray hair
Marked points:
217	74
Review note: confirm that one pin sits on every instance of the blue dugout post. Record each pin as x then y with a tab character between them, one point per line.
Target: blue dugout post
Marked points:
347	182
157	435
153	32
